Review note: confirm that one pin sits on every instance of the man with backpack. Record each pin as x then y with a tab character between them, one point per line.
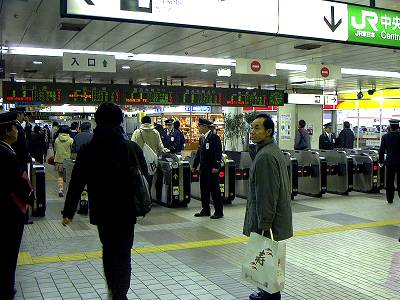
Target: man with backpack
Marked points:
302	137
106	166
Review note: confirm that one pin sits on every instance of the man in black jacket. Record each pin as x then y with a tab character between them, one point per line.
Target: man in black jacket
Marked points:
209	157
15	193
103	165
21	145
345	139
391	146
327	138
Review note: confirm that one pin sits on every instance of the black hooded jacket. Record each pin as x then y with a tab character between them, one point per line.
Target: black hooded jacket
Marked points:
103	165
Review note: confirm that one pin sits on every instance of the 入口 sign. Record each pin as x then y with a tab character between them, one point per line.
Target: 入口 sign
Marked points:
82	62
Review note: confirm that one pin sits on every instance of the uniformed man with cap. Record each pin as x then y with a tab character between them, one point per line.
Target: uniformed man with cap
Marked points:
21	145
15	194
327	138
390	145
209	157
171	137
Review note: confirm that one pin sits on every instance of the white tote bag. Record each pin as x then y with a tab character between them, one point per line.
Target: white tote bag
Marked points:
264	264
150	156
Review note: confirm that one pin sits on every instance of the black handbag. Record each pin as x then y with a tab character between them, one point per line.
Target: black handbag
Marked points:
141	195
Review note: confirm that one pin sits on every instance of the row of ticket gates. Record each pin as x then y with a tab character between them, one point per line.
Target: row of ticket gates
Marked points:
311	173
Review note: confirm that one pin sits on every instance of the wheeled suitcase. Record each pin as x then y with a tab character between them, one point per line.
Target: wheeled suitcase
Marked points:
38	178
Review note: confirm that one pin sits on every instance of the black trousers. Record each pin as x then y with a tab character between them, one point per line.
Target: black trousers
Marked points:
117	244
209	184
391	171
11	230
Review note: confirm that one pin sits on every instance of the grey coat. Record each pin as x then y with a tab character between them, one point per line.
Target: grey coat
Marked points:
269	201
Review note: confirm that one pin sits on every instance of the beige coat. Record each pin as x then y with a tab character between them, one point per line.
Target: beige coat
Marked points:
62	147
147	134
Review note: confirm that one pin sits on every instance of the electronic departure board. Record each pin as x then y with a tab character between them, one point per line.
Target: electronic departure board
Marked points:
161	95
95	94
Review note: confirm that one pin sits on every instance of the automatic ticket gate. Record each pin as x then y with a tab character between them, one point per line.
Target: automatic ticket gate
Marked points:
366	171
226	177
312	172
293	169
38	179
339	171
242	171
172	183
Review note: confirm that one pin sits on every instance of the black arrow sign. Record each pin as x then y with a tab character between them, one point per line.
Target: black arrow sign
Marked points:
332	24
89	2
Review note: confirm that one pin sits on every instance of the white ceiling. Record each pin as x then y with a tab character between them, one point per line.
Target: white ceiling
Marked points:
35	23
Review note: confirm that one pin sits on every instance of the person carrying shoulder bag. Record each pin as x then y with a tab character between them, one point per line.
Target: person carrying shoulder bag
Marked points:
302	137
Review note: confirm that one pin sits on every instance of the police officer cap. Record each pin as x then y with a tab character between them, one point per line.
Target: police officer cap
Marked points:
20	109
8	117
394	122
205	122
328	125
169	122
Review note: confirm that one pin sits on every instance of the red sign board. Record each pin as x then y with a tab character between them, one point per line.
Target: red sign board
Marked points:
325	72
255	66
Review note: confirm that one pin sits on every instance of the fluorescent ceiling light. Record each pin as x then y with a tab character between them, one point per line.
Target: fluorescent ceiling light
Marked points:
36	62
204	70
145	83
126	67
273	75
183	59
291	67
224	72
374	73
250	88
13	73
20	80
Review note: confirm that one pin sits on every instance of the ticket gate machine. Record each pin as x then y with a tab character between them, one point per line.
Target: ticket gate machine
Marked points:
312	172
226	177
366	171
242	172
172	183
339	171
38	180
293	169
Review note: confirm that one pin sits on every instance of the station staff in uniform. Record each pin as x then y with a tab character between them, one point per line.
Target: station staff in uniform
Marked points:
209	157
390	145
327	138
171	138
15	194
20	146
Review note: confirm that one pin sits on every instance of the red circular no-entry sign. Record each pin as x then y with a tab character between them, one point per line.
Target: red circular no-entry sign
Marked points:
325	72
255	66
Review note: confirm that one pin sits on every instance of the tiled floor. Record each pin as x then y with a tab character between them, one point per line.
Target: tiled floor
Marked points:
338	263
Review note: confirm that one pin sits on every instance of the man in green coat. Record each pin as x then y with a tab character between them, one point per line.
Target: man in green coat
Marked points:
269	201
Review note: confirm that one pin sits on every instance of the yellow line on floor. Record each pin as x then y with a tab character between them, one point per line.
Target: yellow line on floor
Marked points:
25	258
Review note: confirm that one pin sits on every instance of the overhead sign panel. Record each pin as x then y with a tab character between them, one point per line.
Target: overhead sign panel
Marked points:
312	99
255	66
250	15
325	72
374	26
82	62
313	18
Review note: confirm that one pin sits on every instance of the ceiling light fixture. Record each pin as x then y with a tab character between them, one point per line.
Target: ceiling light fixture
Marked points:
204	70
36	62
126	67
13	73
224	72
20	80
373	73
273	75
144	83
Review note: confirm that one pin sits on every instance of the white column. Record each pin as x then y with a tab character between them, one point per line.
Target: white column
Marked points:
232	144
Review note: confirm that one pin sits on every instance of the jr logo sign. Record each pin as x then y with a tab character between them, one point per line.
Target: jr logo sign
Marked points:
374	26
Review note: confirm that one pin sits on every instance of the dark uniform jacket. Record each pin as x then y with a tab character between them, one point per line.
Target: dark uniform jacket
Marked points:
38	146
269	201
345	139
390	145
11	181
171	140
103	165
21	148
209	154
325	143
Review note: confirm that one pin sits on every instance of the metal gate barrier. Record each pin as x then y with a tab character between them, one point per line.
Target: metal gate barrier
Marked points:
172	182
293	170
339	171
312	172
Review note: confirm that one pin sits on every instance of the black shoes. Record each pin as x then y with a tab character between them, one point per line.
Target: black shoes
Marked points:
202	214
263	295
214	216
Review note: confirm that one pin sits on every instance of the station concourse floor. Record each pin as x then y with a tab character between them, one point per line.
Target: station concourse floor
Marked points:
345	247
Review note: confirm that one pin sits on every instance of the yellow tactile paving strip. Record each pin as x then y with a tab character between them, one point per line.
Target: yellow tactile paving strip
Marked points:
25	258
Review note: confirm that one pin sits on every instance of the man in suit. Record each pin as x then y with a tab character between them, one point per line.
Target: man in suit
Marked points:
21	145
390	146
346	137
327	138
209	157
